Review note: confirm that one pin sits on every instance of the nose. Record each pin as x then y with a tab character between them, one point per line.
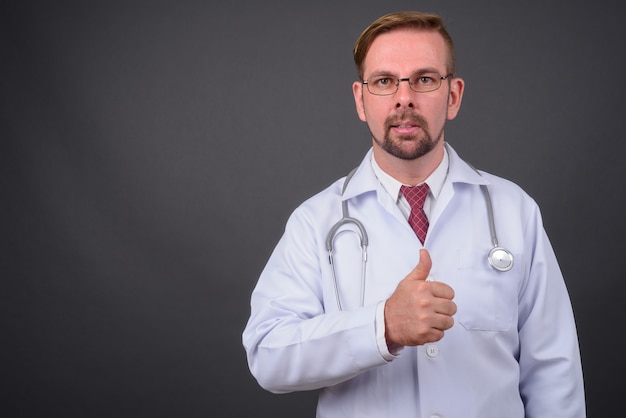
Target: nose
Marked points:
404	95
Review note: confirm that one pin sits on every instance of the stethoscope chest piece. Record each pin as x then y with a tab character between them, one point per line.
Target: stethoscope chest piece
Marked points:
500	259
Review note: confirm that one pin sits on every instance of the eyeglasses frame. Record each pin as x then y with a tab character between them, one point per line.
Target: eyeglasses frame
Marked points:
407	79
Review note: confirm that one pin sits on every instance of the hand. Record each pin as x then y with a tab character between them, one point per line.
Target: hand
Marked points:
419	311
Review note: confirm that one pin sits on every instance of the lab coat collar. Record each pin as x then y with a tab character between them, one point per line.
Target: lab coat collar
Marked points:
460	171
364	180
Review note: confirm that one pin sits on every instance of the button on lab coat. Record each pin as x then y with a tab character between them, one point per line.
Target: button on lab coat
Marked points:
512	352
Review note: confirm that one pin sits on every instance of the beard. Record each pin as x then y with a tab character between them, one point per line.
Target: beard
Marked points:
423	140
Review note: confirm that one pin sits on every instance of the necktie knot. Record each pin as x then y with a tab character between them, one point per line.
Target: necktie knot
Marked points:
416	196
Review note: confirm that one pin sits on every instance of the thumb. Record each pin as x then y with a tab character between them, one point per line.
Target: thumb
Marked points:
422	270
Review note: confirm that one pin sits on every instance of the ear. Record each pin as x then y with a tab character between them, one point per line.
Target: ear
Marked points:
357	91
457	86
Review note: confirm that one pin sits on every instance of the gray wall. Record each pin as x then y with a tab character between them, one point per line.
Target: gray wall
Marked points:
152	151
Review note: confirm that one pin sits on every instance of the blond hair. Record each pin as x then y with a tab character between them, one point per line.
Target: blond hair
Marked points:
401	20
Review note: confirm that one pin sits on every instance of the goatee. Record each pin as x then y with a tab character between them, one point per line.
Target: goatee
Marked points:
423	141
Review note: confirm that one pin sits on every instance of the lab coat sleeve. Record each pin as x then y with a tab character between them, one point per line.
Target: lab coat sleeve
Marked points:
551	380
292	342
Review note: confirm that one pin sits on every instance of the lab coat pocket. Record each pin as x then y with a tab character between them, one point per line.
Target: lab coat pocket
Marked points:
486	298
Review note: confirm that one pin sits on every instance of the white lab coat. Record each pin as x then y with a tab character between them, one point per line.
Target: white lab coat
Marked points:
512	352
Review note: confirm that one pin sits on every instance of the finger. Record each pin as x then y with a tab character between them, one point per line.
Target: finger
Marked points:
442	290
444	323
421	271
446	307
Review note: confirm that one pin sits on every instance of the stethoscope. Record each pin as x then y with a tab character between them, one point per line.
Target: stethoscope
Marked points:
499	257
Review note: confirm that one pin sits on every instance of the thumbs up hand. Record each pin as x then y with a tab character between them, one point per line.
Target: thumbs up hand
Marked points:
419	311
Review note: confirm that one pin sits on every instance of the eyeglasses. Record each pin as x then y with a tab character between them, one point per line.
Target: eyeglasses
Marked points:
385	85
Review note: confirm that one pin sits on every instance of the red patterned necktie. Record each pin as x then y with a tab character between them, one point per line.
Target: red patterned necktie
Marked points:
416	196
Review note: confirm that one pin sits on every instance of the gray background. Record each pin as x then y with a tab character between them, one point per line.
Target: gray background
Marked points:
152	151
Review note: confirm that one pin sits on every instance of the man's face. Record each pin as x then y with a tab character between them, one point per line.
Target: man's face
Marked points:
407	124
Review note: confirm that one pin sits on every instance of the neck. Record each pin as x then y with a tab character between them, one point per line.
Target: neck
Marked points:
409	172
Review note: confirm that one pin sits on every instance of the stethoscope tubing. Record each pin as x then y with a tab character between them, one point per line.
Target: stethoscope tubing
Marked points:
499	258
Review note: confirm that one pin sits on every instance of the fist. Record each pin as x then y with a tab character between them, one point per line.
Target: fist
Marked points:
419	311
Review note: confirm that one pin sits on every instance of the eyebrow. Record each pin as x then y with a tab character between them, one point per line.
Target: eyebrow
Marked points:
390	73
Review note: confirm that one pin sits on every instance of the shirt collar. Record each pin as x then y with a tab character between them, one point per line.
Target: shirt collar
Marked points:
435	180
458	171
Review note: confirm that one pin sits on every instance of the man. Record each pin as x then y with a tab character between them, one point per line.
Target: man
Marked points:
424	326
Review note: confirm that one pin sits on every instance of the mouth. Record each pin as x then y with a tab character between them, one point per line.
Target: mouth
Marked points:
405	128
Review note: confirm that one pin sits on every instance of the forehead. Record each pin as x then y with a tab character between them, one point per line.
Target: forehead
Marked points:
405	51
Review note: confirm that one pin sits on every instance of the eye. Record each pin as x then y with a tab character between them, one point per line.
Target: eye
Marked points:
383	81
426	79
